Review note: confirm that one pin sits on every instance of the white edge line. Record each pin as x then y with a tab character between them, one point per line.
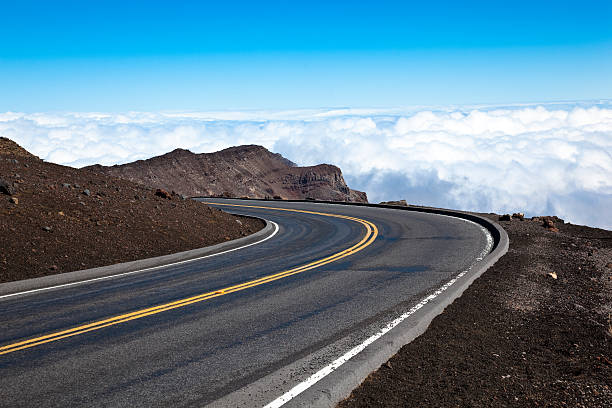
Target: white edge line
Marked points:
319	375
276	229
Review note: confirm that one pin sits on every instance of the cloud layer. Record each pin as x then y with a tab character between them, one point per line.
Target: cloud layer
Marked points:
540	159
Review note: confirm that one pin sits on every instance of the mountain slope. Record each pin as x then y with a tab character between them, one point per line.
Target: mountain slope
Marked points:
57	219
250	171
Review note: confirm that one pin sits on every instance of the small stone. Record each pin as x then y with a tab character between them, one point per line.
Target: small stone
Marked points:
239	222
77	186
48	229
609	265
26	165
505	217
183	197
53	267
519	216
552	275
82	203
6	188
87	192
66	185
163	194
14	200
61	213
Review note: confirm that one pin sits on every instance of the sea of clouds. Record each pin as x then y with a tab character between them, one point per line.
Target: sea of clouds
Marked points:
539	159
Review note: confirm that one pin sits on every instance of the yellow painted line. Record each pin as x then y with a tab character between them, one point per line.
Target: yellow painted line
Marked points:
368	238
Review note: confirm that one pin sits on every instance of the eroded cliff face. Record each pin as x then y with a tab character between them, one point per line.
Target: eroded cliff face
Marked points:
322	182
242	171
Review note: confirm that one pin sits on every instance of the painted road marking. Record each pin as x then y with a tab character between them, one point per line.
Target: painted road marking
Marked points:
369	237
334	365
64	285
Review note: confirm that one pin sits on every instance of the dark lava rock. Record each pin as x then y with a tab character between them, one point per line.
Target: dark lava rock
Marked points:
6	188
163	194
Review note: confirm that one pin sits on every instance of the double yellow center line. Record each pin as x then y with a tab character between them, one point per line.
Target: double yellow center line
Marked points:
368	238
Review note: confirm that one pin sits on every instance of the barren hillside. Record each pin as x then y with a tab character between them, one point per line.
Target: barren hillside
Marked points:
59	219
242	171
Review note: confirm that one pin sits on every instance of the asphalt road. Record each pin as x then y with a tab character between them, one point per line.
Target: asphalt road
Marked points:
198	352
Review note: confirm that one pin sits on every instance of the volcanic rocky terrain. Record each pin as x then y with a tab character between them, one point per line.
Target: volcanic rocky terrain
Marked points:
58	219
243	171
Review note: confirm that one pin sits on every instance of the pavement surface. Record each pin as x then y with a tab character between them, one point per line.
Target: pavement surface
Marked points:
210	349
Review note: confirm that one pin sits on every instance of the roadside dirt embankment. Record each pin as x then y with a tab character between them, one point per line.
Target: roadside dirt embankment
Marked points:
57	219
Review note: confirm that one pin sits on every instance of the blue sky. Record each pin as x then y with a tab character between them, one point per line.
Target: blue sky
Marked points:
182	55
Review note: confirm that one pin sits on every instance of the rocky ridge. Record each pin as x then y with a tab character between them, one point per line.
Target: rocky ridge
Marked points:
243	171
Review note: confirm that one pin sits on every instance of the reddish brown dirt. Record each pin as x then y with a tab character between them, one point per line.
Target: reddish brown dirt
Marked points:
517	337
55	228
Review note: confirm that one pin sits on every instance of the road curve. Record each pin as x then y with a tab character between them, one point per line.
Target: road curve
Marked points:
242	328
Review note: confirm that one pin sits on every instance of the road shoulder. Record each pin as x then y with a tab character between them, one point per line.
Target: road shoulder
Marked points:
143	265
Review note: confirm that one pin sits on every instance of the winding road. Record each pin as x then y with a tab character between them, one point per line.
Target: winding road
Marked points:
251	327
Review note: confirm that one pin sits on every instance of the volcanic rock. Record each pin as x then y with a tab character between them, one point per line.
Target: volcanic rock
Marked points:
6	188
401	203
163	194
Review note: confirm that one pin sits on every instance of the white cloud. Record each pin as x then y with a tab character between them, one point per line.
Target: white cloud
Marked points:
540	159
